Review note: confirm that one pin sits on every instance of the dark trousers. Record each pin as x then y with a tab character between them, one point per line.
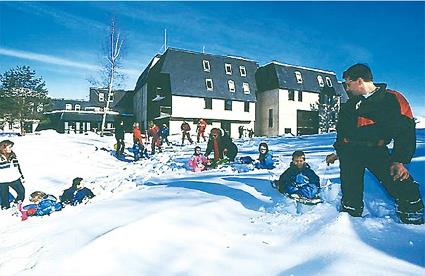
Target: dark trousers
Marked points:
354	161
201	133
165	139
186	134
120	146
4	192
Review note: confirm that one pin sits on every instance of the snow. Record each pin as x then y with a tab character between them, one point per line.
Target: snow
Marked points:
154	217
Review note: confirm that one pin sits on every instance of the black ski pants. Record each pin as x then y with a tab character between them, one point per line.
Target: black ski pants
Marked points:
354	161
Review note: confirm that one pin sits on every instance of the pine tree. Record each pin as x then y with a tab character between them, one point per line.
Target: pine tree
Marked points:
23	96
328	107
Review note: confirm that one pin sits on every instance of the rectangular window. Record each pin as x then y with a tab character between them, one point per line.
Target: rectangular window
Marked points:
227	105
246	106
68	106
291	95
101	97
208	103
77	107
246	89
209	84
288	131
228	68
231	85
270	117
328	82
242	70
206	65
300	96
298	77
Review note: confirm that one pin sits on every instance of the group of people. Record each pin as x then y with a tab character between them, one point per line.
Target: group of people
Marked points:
11	176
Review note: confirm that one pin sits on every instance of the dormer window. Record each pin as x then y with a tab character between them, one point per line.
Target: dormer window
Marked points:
246	89
320	81
209	84
101	97
242	70
298	77
231	85
206	65
228	68
328	81
68	106
77	107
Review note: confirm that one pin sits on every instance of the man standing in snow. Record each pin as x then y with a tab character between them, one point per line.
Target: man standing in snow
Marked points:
367	123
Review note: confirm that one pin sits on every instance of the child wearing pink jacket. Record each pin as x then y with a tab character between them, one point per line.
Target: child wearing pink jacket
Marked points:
198	160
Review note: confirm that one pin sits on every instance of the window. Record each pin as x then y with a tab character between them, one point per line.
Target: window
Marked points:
298	77
288	130
77	107
270	117
328	81
209	84
291	95
320	81
246	88
208	103
231	85
246	106
300	96
228	68
227	105
242	70
111	97
101	97
206	65
68	106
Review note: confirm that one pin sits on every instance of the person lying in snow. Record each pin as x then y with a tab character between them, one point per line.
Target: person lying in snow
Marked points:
299	180
265	159
77	193
42	204
198	160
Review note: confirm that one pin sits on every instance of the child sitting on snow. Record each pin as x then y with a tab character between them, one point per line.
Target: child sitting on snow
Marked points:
42	204
198	160
299	180
265	159
77	193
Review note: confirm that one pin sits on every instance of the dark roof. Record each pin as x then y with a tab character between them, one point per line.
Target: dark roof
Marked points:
59	104
187	76
278	75
86	117
143	77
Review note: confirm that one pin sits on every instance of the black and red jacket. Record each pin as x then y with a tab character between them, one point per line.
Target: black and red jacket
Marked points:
376	121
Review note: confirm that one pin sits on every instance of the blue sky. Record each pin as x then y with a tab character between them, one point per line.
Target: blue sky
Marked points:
62	41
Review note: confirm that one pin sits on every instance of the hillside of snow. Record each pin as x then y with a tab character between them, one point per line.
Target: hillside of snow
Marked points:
154	217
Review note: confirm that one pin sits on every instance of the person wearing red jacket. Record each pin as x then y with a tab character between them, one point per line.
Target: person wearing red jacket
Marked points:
372	118
202	125
154	132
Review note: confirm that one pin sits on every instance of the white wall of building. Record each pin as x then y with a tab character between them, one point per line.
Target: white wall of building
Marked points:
288	109
267	100
193	107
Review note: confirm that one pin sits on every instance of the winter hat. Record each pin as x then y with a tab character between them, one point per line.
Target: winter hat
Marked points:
76	181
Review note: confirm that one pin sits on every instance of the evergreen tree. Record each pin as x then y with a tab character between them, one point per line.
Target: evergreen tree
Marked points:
327	107
23	96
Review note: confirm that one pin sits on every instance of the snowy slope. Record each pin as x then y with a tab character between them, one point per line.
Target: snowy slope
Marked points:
156	218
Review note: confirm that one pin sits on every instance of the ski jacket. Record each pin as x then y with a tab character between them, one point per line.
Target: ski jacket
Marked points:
74	196
197	162
376	121
185	127
265	161
165	131
119	132
46	206
137	136
295	177
10	170
202	126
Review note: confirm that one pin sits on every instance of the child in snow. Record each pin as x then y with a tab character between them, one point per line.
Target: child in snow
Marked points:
77	193
139	149
265	159
42	204
299	180
198	160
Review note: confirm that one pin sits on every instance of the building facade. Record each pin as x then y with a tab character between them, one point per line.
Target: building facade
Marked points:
181	85
286	95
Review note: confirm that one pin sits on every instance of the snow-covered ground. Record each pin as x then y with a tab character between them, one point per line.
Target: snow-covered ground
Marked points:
155	217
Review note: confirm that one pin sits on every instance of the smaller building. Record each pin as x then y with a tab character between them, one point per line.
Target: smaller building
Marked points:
286	94
80	116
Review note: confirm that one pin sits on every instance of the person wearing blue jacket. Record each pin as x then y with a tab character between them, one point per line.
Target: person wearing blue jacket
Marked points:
42	204
77	193
265	159
299	180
